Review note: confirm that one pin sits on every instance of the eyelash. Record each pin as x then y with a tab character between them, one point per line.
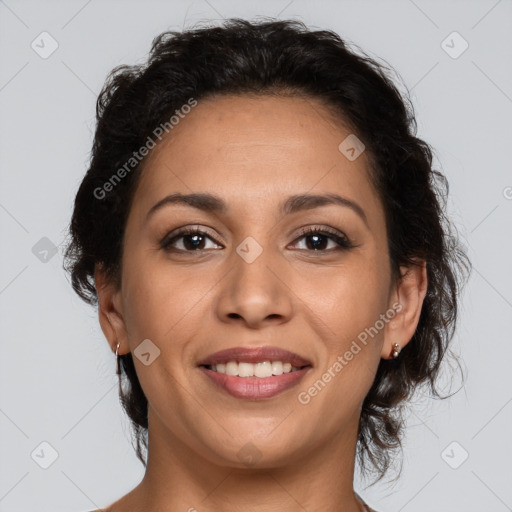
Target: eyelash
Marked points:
342	240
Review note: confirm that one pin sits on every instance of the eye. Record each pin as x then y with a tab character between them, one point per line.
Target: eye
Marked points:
190	239
320	237
194	240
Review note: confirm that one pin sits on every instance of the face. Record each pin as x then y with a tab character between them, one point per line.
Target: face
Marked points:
248	276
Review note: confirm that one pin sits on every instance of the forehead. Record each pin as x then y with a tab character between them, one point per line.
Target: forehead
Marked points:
256	150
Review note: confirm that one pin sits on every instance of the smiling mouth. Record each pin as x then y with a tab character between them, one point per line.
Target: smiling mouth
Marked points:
263	369
254	381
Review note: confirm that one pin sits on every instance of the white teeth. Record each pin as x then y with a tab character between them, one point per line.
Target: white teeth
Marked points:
245	369
231	368
261	370
277	368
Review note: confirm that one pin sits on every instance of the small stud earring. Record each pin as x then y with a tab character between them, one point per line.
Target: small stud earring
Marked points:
118	367
396	350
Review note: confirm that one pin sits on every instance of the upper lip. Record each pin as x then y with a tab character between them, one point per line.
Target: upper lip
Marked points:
254	355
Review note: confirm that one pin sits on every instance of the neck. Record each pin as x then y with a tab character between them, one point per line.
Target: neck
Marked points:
178	478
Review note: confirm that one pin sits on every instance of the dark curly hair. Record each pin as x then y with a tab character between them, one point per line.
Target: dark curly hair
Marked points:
271	57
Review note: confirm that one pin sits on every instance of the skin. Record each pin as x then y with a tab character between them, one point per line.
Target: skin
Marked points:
254	153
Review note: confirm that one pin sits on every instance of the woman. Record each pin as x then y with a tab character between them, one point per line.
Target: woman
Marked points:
265	239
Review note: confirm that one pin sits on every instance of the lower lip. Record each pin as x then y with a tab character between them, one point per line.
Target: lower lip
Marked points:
255	388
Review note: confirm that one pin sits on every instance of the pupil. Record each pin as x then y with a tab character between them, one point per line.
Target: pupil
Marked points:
316	244
196	244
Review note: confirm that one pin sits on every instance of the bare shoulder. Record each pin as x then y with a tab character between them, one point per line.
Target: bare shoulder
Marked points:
131	502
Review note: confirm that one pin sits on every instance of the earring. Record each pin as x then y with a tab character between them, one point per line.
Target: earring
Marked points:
118	367
396	350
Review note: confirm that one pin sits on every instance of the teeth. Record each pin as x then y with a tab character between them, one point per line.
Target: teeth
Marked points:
245	369
261	370
277	368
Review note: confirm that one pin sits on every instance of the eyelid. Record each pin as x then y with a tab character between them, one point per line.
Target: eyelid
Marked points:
323	229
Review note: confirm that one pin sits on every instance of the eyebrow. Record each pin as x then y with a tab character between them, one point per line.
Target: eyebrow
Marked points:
214	204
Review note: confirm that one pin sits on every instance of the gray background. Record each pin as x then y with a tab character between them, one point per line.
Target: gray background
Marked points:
57	380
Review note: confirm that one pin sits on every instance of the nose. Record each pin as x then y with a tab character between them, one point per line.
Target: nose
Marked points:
255	292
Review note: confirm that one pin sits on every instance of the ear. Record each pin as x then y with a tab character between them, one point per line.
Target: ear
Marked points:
407	300
110	312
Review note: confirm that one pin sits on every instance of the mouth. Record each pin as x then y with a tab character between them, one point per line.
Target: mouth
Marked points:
254	373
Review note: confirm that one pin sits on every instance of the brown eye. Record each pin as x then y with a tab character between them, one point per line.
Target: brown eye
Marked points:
318	240
191	240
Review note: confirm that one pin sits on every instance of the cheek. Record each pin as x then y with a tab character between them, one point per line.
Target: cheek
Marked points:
347	300
163	302
349	304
